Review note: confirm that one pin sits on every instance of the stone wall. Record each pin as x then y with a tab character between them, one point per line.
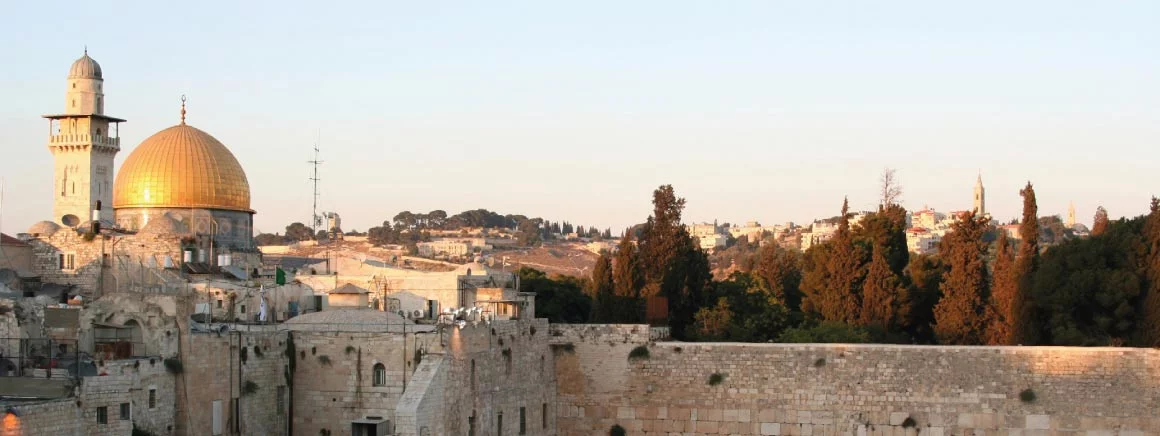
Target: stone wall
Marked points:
334	376
107	392
502	368
835	389
213	370
86	273
51	418
145	375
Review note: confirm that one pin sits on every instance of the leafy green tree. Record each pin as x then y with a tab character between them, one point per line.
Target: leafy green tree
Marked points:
756	313
529	232
1086	291
560	300
269	239
298	232
1002	314
1026	263
1100	222
603	290
925	274
713	323
881	294
959	315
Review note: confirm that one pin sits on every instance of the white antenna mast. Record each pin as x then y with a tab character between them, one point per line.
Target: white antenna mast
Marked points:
315	219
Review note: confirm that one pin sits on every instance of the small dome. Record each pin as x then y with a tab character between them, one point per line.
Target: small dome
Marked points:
85	68
182	167
44	228
163	225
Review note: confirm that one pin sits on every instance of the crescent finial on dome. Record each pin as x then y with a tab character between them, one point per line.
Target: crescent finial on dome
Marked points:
182	109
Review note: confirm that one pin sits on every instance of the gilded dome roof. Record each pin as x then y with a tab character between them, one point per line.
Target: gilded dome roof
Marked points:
182	167
85	68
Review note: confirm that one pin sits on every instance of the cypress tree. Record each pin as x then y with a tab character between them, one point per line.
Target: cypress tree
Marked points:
1026	263
1150	310
959	315
1004	290
627	279
880	294
842	300
603	292
1100	222
781	271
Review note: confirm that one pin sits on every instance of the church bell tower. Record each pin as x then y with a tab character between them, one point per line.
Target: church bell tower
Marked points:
980	197
83	141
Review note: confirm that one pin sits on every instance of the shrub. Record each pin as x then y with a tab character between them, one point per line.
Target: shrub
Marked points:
324	359
242	355
568	348
820	362
640	352
258	351
616	430
909	423
677	349
173	365
532	331
349	349
1027	396
716	379
249	387
828	332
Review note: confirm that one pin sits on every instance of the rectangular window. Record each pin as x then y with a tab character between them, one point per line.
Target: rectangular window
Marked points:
544	414
66	261
126	412
499	424
219	304
523	422
216	427
153	398
102	415
243	308
280	401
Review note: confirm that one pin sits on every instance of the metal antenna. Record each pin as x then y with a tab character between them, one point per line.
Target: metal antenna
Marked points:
315	219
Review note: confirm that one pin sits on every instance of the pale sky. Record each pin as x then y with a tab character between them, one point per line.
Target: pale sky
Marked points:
766	110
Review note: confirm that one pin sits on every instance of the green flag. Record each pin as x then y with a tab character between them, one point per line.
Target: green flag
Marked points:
279	276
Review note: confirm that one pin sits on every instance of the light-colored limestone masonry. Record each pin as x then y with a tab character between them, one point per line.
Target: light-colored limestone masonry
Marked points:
841	389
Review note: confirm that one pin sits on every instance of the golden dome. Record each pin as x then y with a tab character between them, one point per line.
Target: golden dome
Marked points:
182	167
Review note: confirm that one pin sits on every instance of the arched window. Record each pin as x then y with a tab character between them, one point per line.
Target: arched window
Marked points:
380	375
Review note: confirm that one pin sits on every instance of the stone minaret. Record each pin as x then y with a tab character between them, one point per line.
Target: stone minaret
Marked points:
1071	215
83	147
980	197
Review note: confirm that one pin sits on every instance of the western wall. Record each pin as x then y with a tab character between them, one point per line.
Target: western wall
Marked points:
843	389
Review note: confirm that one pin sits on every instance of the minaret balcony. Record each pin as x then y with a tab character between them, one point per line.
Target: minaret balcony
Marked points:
83	139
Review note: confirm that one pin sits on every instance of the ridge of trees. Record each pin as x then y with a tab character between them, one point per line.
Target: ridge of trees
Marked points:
863	285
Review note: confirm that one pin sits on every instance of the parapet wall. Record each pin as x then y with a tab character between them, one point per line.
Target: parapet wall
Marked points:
836	389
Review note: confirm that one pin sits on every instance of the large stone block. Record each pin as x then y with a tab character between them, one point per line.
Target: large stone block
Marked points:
770	428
